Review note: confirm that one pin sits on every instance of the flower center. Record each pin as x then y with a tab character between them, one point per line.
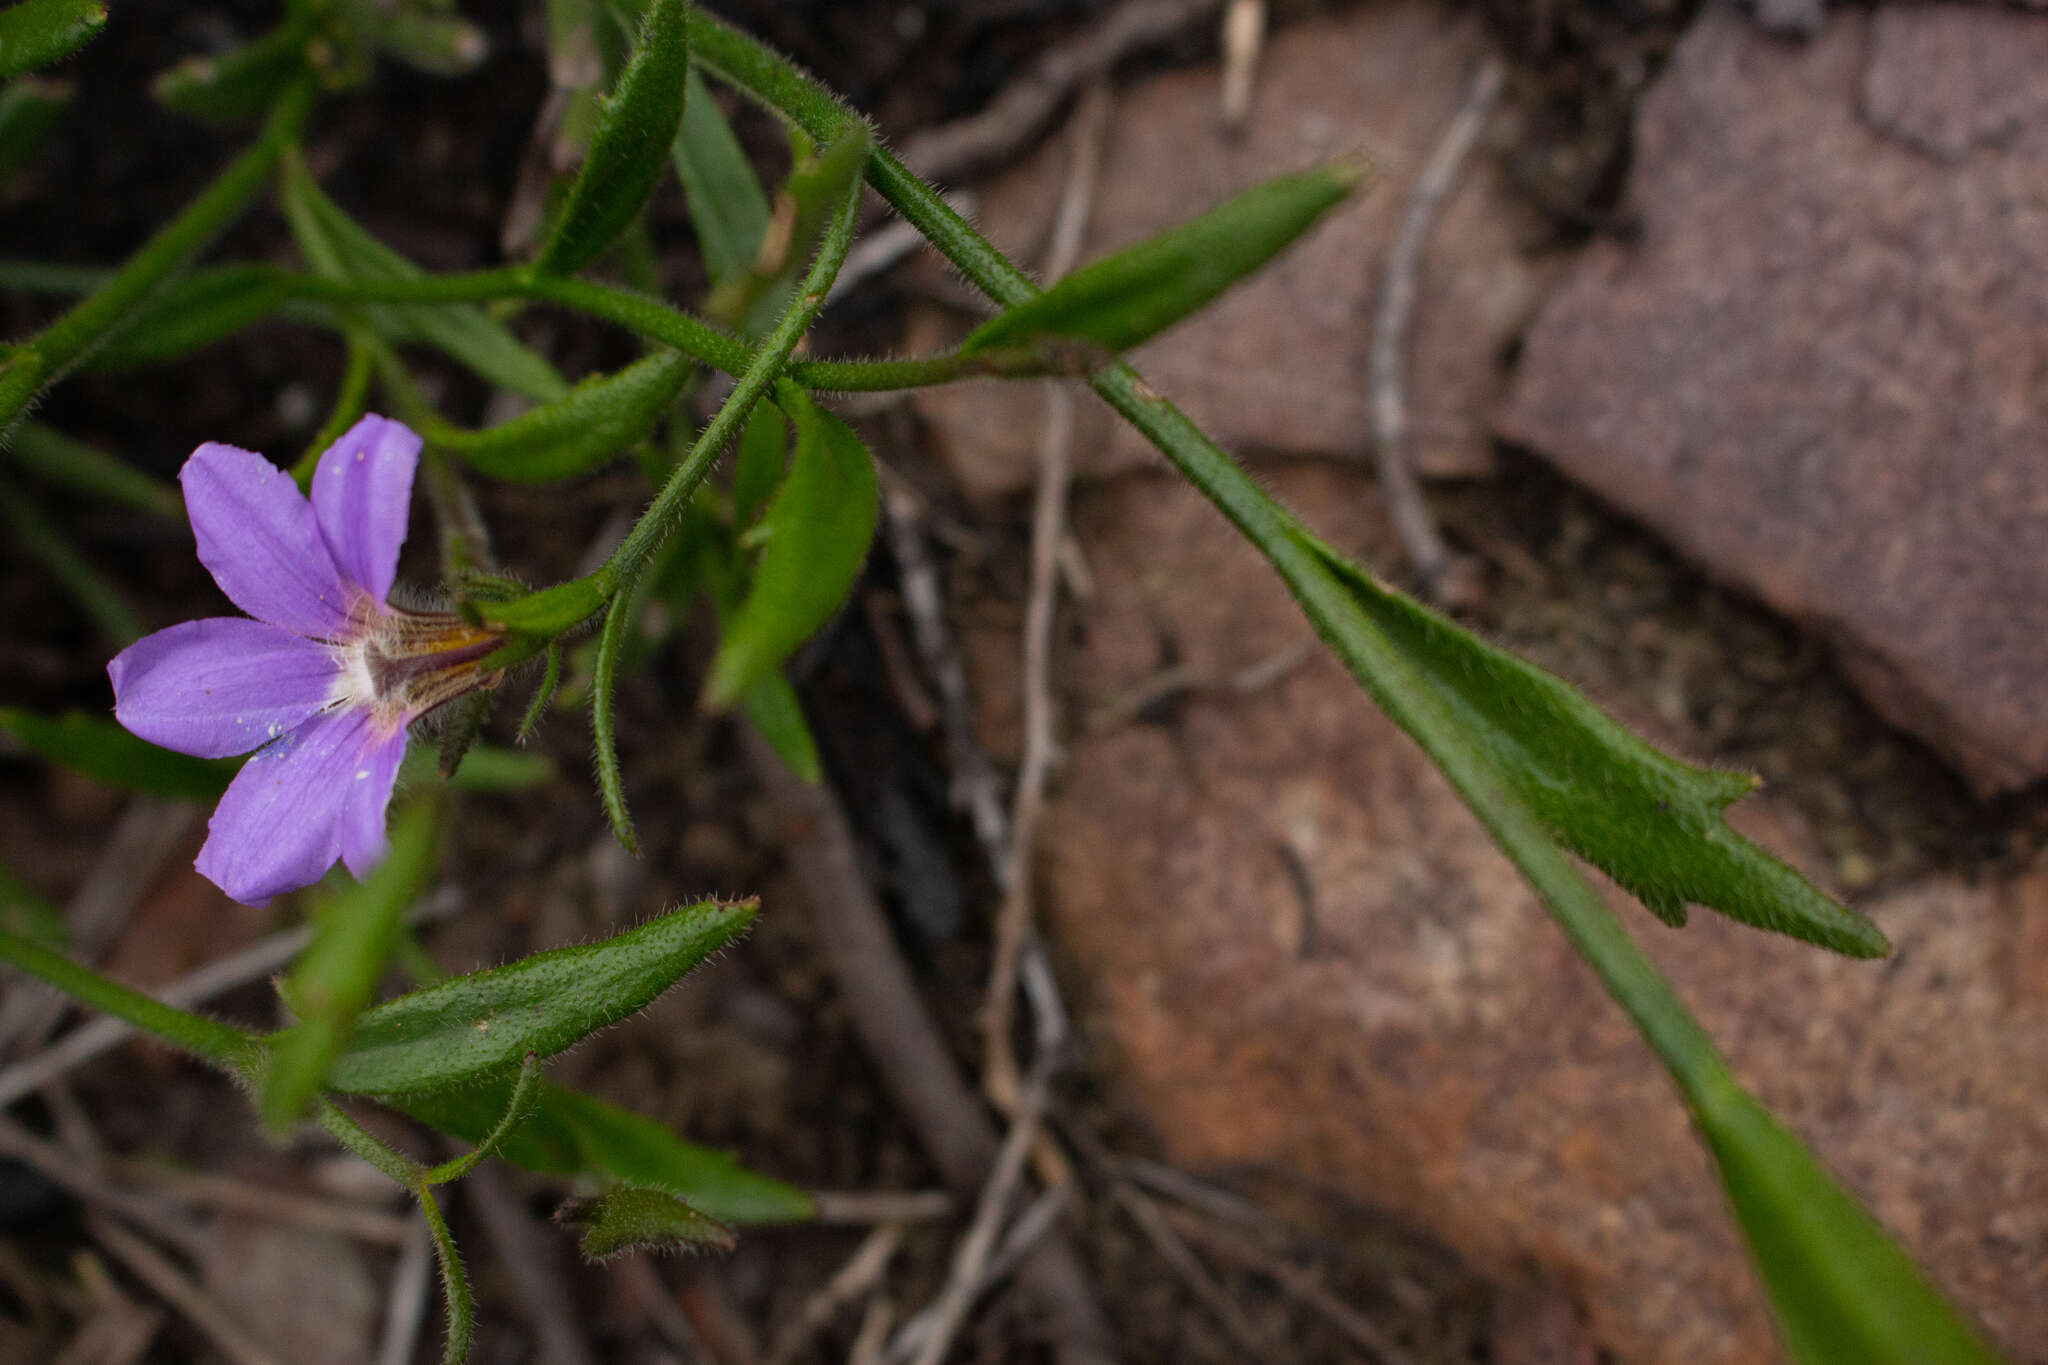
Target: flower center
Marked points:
402	664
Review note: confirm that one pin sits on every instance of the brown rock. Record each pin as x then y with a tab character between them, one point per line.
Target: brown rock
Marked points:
305	1295
1820	368
1278	363
1304	951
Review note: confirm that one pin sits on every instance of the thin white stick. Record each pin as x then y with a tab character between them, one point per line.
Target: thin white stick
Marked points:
1426	549
407	1309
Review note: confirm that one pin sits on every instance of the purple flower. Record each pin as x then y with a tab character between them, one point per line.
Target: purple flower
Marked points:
323	683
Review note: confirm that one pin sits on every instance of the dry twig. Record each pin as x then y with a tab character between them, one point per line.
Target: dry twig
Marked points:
1426	550
1029	104
1048	530
275	1206
1023	1234
531	1261
1244	33
406	1310
881	1206
81	1181
169	1283
1193	1273
898	1032
861	1273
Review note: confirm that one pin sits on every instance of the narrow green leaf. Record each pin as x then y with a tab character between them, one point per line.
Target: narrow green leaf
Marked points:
611	783
818	530
31	528
758	466
338	974
25	913
485	768
438	44
629	1218
65	462
30	109
1652	823
752	298
597	421
35	33
544	694
728	207
191	314
222	1044
774	709
631	143
1843	1289
550	611
571	1133
241	83
473	1027
340	248
1123	299
98	748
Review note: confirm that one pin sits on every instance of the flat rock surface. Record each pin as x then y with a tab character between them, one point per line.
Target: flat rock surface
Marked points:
1820	370
1300	951
1279	362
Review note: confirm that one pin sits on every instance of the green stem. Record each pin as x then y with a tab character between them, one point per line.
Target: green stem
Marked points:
454	1282
1626	971
210	1039
766	366
44	358
525	1095
350	400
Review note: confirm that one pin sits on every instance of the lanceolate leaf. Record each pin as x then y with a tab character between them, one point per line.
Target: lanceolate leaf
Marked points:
193	313
633	1219
337	245
481	1025
630	146
1842	1288
775	710
96	747
599	420
1652	823
818	530
35	33
571	1133
30	109
727	205
1123	299
242	82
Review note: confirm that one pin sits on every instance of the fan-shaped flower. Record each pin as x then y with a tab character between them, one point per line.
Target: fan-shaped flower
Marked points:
324	682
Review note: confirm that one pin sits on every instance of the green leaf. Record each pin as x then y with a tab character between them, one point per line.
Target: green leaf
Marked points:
728	207
751	299
774	709
1652	823
550	611
337	246
25	913
818	530
594	423
336	977
1123	299
65	462
473	1027
241	83
629	1218
611	783
571	1133
98	748
193	313
37	32
758	466
438	44
30	109
1843	1289
630	145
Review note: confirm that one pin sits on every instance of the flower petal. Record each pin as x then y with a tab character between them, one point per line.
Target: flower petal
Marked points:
220	686
362	493
258	539
278	827
363	844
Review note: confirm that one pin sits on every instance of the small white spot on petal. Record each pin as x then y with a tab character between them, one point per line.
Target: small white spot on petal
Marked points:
362	773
